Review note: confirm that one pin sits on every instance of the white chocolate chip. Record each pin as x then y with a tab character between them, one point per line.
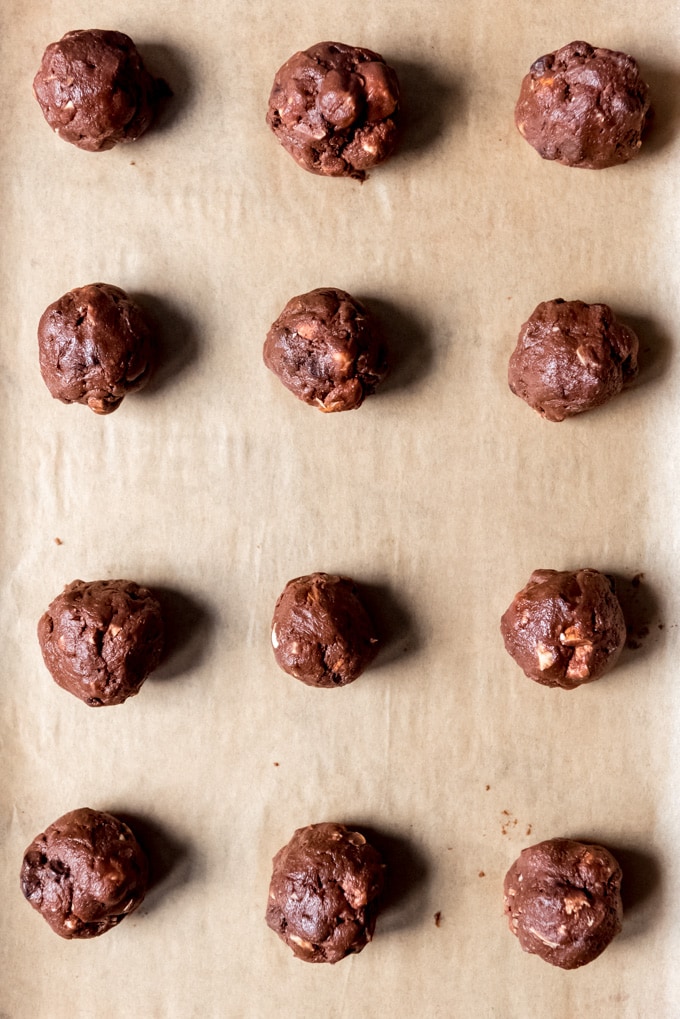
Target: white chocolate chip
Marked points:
306	945
275	639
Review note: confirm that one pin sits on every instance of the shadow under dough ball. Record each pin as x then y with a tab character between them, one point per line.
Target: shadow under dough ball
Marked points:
583	106
565	629
321	631
94	90
572	357
563	901
325	348
85	873
322	893
100	640
334	108
95	346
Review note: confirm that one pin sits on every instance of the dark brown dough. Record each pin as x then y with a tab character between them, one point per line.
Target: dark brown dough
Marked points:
322	894
572	357
95	346
563	901
321	632
85	873
335	109
326	350
100	640
565	629
583	106
94	90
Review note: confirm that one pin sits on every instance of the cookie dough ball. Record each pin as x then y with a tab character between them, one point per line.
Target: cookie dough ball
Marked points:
85	873
583	106
563	901
321	632
100	640
571	357
322	893
94	90
564	629
325	348
95	347
335	109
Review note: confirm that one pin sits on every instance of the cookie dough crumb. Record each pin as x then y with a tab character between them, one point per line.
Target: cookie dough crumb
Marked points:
438	919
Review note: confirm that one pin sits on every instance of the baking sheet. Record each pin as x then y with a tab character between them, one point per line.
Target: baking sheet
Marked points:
442	493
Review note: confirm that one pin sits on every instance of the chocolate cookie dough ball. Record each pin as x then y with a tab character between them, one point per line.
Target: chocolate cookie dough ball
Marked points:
321	632
94	90
583	106
564	629
335	109
100	640
322	893
325	348
95	347
563	901
572	357
85	873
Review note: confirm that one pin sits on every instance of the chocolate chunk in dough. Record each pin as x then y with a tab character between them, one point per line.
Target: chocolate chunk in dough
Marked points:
95	346
335	109
94	90
563	901
325	348
571	357
583	106
321	632
565	629
323	890
85	873
100	640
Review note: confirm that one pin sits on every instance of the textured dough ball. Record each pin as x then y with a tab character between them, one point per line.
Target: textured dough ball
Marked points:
565	629
335	109
321	631
322	894
583	106
95	346
85	873
94	90
326	350
572	357
563	901
101	640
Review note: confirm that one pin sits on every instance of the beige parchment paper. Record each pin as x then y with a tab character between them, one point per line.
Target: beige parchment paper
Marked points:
442	493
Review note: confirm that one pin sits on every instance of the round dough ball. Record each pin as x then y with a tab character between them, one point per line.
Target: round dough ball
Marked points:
583	106
322	892
95	346
94	90
85	873
563	901
335	109
565	629
100	640
326	350
321	632
571	357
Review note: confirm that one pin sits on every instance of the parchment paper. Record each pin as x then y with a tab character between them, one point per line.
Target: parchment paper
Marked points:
442	493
